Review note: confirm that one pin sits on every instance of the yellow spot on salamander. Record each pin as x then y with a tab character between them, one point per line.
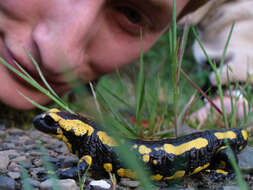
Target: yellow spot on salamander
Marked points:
182	148
144	150
176	175
126	173
79	128
155	162
225	135
200	168
245	134
60	136
156	177
54	110
108	167
87	158
220	171
146	158
221	148
105	139
64	169
135	146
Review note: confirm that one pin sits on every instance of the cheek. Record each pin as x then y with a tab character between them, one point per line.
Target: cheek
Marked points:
20	9
117	50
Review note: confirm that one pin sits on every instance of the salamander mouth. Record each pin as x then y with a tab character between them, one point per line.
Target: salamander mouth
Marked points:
46	124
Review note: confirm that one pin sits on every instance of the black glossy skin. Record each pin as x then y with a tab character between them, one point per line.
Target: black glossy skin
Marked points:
164	165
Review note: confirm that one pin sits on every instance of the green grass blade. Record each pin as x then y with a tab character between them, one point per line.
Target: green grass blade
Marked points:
49	168
82	178
34	103
153	101
174	25
24	176
24	71
130	158
140	89
129	132
218	77
114	95
40	73
36	85
241	182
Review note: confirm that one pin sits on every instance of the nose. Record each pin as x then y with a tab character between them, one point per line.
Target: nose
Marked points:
63	35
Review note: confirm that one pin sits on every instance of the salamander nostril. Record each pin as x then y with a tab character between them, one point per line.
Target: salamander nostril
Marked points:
49	120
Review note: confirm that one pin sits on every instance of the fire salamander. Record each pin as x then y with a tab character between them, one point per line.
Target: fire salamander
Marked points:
168	159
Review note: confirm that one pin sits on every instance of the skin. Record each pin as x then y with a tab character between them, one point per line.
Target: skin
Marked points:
89	37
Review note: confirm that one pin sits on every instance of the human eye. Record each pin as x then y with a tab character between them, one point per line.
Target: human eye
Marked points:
131	15
131	19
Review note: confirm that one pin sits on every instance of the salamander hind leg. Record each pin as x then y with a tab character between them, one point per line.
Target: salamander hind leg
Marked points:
84	163
222	167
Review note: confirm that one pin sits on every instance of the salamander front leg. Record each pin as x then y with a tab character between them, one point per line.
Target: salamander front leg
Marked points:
84	163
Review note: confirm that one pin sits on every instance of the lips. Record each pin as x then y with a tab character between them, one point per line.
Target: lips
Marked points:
8	56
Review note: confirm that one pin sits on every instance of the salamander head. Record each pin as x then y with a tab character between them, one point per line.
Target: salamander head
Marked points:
64	126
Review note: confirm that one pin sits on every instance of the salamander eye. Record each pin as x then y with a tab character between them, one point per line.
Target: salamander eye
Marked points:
49	120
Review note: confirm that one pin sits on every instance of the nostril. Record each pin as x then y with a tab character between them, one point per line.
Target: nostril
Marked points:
49	120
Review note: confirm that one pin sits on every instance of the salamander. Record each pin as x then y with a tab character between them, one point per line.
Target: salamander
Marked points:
168	159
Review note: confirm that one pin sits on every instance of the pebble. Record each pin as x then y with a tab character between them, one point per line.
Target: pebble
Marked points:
38	162
14	167
20	159
66	184
34	182
7	183
98	185
245	159
14	175
68	161
231	188
129	183
4	158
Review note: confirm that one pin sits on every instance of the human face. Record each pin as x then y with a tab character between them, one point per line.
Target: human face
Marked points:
89	37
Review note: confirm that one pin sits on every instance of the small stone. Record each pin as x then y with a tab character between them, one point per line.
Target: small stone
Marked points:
37	173
20	159
14	175
9	146
2	126
35	153
4	158
16	132
129	183
14	167
99	185
37	162
68	161
245	159
66	184
7	183
231	188
26	165
34	182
